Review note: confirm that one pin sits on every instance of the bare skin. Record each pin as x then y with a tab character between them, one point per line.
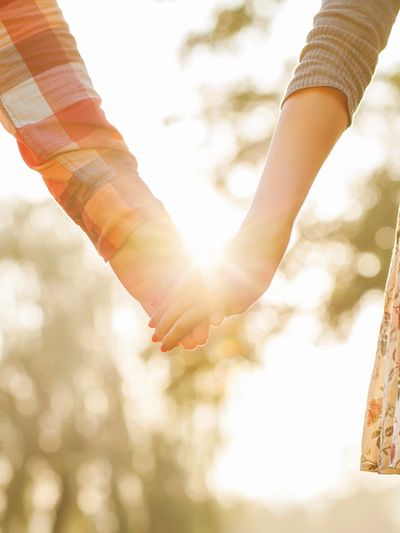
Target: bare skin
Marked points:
310	123
151	260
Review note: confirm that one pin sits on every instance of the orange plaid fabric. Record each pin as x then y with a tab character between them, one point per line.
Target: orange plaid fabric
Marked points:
47	101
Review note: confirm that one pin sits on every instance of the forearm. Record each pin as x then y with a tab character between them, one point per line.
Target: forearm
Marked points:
48	102
335	67
309	125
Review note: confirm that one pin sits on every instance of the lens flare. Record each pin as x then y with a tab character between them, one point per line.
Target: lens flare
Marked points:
204	251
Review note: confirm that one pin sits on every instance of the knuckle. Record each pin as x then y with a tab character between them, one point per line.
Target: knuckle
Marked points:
179	329
187	345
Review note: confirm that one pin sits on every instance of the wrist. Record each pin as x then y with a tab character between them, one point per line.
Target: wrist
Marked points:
264	236
266	218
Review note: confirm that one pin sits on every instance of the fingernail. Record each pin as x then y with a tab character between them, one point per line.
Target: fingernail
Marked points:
164	349
151	323
154	338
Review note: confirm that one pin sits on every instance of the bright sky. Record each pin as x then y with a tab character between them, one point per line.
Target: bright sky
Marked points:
294	426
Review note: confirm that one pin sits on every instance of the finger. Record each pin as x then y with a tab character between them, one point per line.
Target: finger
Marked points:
188	341
188	321
216	318
150	305
181	304
170	295
202	332
197	337
172	292
147	306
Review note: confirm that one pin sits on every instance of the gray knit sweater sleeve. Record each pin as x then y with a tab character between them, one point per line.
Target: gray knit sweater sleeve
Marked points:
342	48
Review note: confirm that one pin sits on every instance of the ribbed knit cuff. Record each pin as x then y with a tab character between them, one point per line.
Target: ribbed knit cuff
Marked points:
319	81
335	57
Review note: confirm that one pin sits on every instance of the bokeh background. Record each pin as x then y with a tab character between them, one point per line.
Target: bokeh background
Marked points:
261	429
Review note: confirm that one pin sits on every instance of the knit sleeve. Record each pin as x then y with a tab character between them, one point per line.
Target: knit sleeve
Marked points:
343	46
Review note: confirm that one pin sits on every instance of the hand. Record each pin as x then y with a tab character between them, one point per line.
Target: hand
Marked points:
151	260
244	273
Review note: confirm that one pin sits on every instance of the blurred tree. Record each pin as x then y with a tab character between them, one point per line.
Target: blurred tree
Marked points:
355	251
361	510
74	454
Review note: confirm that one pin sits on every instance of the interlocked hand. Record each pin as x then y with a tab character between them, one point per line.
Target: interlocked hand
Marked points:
231	287
152	260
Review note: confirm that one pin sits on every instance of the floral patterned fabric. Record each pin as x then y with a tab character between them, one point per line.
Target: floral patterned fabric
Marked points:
380	448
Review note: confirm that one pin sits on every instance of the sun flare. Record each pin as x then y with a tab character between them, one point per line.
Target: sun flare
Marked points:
204	247
205	224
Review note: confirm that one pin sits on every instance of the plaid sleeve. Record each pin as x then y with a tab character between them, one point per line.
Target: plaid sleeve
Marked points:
47	101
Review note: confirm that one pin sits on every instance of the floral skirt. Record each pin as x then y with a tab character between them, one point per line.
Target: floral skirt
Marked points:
380	448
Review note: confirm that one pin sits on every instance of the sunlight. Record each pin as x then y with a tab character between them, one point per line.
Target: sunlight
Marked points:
204	247
205	221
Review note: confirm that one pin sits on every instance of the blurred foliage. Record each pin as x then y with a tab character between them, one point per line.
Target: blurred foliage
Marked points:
229	22
356	252
75	453
359	511
364	242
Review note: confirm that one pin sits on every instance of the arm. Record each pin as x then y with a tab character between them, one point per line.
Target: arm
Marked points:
309	125
48	103
336	65
343	47
334	70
